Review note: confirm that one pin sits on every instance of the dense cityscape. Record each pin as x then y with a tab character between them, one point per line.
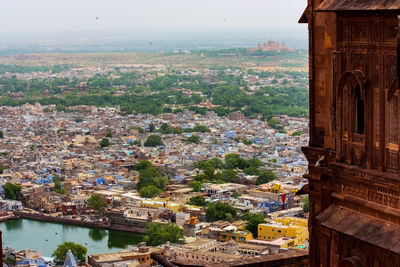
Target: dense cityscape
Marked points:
177	133
187	162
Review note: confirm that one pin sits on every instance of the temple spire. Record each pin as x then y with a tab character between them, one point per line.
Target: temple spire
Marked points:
69	260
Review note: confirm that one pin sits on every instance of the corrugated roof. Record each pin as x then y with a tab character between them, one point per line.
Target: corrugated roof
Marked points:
358	5
361	226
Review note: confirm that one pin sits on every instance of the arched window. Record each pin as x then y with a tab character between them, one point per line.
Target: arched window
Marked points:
359	111
345	109
351	118
393	114
392	128
352	103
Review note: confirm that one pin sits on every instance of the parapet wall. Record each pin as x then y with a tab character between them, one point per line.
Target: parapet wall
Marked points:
48	218
98	224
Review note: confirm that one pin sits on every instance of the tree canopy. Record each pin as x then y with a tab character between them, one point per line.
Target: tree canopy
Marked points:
109	133
215	162
105	142
275	123
253	162
253	220
149	176
2	168
196	185
227	171
305	202
158	95
153	141
142	165
158	234
151	127
265	177
233	161
149	191
228	176
220	211
12	191
77	250
10	261
194	139
97	202
58	186
197	201
197	128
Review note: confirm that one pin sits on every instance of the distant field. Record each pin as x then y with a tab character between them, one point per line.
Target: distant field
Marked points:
280	86
179	61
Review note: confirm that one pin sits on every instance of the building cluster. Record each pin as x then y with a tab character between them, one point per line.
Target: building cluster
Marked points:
26	258
57	159
204	252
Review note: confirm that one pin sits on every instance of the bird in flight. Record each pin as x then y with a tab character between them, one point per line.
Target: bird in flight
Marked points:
97	18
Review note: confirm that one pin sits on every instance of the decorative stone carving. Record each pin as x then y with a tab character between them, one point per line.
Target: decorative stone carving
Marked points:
364	174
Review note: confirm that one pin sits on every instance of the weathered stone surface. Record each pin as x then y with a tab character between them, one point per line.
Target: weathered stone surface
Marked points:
354	168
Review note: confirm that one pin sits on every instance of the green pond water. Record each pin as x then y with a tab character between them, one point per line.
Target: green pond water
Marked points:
46	236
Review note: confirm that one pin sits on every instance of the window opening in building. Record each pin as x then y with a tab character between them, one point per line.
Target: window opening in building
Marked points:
359	112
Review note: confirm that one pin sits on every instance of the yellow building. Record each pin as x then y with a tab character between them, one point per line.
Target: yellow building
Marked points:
272	232
239	237
292	221
151	204
240	224
285	242
175	207
155	204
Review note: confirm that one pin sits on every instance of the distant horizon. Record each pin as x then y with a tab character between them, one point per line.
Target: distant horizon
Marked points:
134	41
188	24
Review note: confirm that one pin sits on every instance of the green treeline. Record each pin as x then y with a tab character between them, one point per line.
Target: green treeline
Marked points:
28	69
164	94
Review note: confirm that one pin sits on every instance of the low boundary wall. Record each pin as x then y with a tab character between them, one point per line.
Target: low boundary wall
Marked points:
103	225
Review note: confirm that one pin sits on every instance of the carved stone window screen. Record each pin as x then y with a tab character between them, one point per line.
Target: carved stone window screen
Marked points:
393	115
351	94
350	88
392	127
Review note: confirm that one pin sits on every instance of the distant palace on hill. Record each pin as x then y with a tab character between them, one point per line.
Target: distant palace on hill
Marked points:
271	46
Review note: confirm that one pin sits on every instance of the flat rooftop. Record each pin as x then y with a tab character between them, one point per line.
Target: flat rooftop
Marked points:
121	255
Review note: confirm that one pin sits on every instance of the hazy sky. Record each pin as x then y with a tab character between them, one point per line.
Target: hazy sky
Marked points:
21	16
